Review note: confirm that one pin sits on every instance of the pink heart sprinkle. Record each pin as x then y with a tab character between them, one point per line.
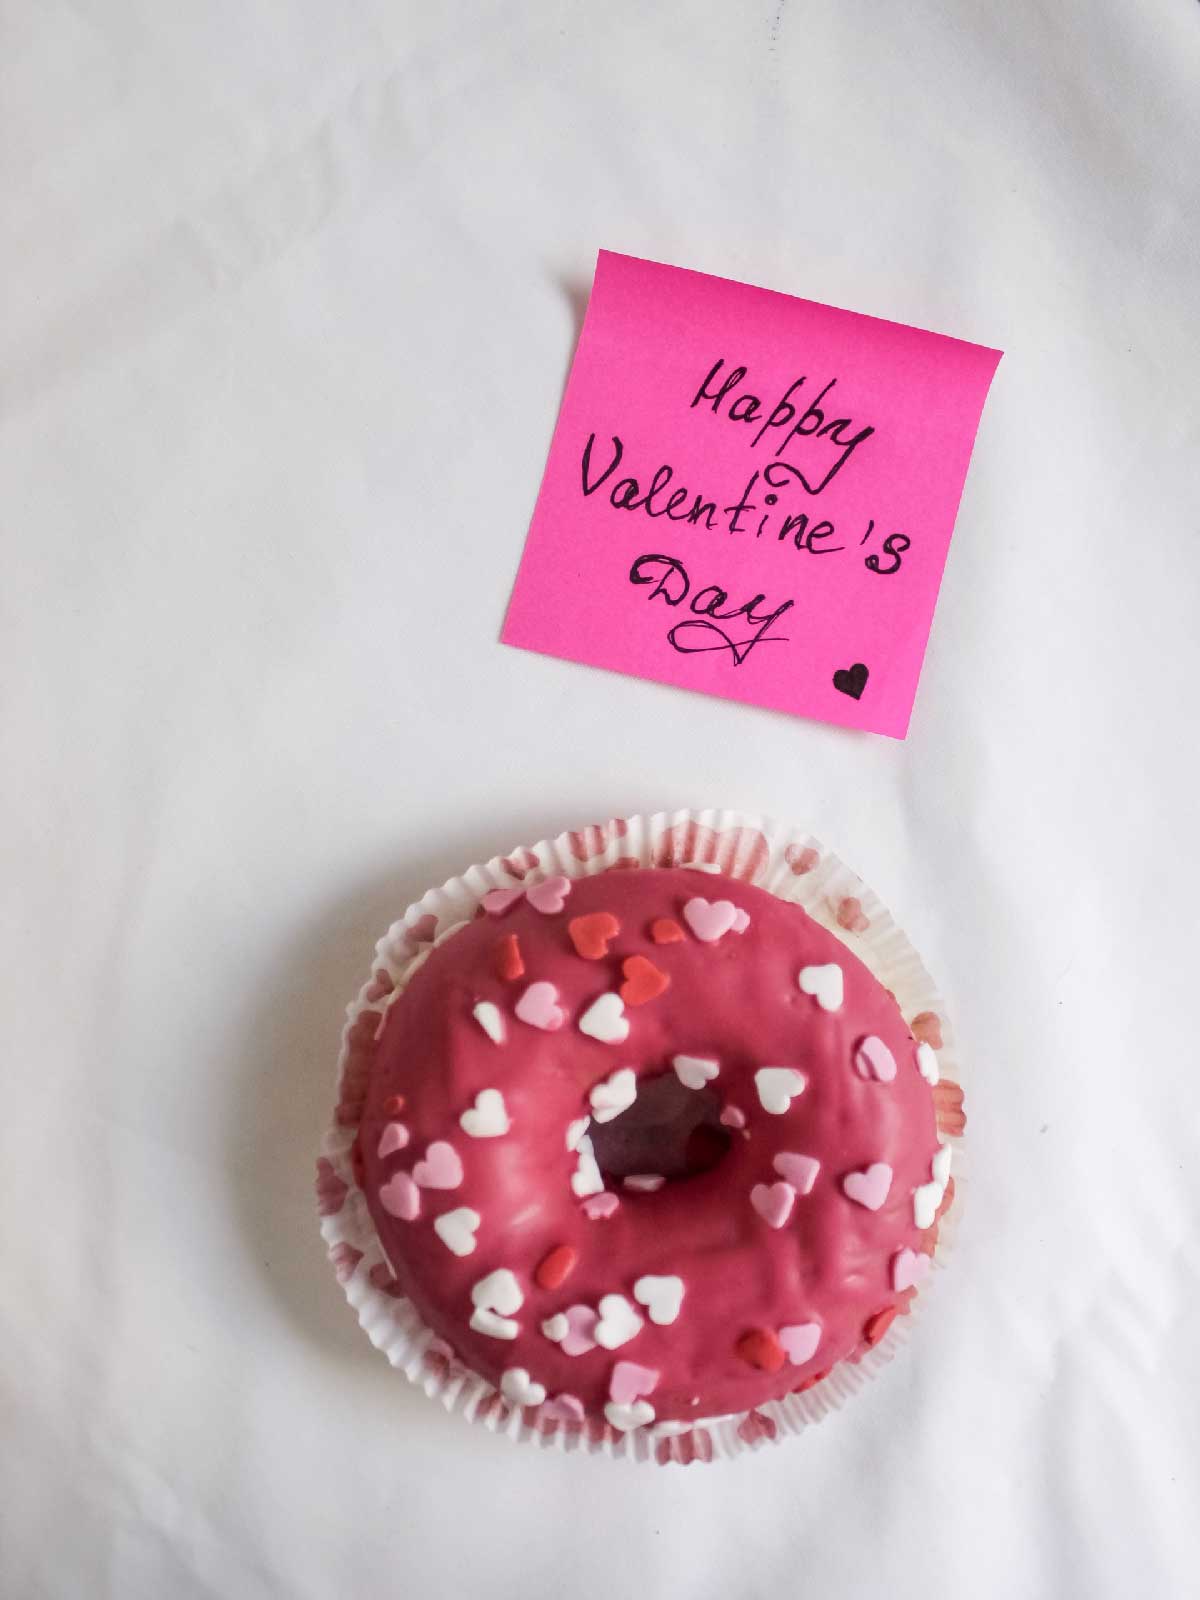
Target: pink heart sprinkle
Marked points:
873	1059
731	1117
539	1007
497	901
869	1188
709	919
599	1206
563	1408
773	1202
909	1268
800	1341
741	921
801	859
441	1168
581	1324
393	1138
800	1171
400	1197
630	1381
548	897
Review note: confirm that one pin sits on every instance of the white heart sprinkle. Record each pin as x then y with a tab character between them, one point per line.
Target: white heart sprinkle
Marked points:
616	1094
926	1200
556	1328
625	1418
494	1326
498	1291
662	1297
456	1229
940	1165
643	1182
619	1322
605	1020
825	984
927	1062
489	1019
576	1131
694	1072
587	1178
778	1087
519	1388
394	1137
487	1118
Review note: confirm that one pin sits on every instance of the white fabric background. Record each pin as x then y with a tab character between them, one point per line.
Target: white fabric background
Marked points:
290	294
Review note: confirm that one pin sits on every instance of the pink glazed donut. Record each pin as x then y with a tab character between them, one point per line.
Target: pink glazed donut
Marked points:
650	1147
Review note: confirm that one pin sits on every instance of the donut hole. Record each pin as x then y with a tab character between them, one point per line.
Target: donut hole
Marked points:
668	1129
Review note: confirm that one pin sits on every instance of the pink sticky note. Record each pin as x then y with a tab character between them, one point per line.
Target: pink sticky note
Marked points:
749	494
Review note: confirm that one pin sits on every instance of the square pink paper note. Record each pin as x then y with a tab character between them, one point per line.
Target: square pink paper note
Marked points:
750	495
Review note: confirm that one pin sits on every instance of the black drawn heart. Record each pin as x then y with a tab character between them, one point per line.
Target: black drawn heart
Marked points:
851	680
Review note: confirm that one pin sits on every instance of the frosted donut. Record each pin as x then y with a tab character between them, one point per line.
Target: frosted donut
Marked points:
651	1146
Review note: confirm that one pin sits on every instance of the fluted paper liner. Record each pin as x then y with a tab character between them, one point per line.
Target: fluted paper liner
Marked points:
786	862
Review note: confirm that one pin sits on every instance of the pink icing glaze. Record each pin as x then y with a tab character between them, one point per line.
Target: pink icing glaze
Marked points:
735	1000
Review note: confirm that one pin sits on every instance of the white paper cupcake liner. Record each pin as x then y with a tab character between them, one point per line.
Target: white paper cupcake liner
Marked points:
783	860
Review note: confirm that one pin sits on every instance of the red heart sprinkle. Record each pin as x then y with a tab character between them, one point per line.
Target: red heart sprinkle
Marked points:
666	931
557	1267
507	958
643	981
394	1105
761	1349
590	934
927	1027
875	1327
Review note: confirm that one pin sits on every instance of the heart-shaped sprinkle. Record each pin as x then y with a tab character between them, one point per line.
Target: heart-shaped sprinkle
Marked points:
800	1341
851	916
630	1381
940	1164
909	1268
590	935
661	1296
394	1105
400	1197
548	897
625	1418
618	1323
539	1007
614	1095
441	1167
709	919
643	1182
487	1118
643	981
826	984
457	1229
394	1137
732	1117
498	1291
494	1325
497	901
694	1072
927	1026
665	930
576	1131
741	921
506	958
587	1178
773	1202
573	1329
519	1389
875	1327
778	1087
869	1187
800	1171
556	1327
598	1207
927	1197
927	1063
873	1059
489	1019
564	1408
605	1020
801	858
760	1348
556	1267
